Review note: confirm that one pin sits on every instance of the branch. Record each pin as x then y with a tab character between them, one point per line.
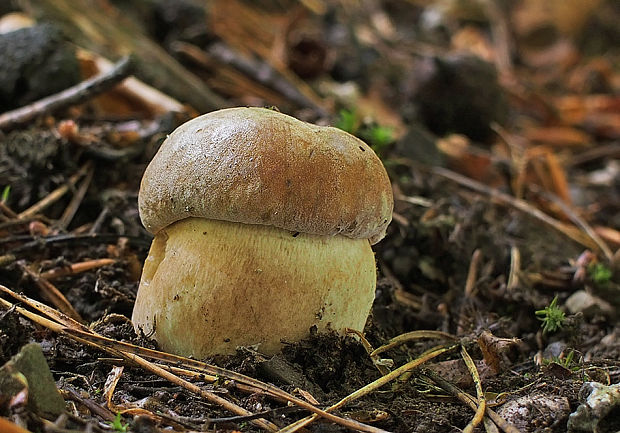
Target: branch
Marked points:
73	95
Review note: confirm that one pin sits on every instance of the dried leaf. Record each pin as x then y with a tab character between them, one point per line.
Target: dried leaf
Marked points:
560	136
7	426
495	349
597	113
609	234
472	39
110	385
558	178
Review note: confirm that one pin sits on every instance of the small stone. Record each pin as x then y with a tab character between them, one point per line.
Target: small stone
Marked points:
280	370
599	411
588	304
554	350
461	94
35	62
43	396
536	412
144	424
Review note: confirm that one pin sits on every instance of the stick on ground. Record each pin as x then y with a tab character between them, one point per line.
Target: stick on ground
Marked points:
73	95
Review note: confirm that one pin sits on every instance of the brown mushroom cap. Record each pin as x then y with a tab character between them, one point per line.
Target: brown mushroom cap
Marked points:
259	166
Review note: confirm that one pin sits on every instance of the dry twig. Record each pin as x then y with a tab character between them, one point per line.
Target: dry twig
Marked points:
260	71
371	387
215	370
481	402
52	294
369	350
410	336
70	238
515	268
94	29
73	206
136	360
578	221
470	401
56	194
472	273
73	95
66	325
75	268
7	210
522	205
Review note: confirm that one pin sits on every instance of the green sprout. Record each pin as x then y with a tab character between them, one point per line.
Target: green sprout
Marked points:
600	273
347	121
6	191
568	361
118	425
377	136
552	317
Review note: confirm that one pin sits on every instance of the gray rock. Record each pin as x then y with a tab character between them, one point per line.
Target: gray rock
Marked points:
35	62
588	304
599	410
29	368
536	412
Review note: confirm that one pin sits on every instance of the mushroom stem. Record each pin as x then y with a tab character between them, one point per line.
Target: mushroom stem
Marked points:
209	286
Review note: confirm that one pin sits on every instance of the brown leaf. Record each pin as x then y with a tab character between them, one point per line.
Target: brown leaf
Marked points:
495	350
609	234
560	136
597	113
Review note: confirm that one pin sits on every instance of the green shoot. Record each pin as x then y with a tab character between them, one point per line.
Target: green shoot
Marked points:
600	273
568	361
118	425
6	191
552	317
377	136
347	121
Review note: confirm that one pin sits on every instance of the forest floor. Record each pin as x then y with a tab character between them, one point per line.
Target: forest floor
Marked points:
500	132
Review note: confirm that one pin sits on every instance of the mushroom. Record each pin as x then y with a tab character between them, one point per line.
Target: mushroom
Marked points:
263	229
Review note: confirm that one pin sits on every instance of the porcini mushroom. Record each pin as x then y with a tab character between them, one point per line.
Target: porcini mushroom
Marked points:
263	225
